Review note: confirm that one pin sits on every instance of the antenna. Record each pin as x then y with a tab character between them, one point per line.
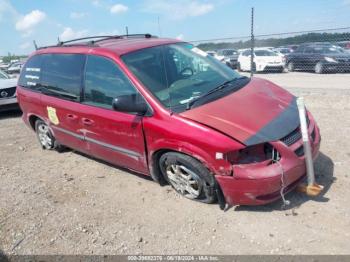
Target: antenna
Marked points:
35	45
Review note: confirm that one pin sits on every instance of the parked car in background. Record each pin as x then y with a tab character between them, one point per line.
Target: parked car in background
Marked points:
230	57
216	55
264	60
4	66
143	103
283	50
319	57
345	45
8	98
15	68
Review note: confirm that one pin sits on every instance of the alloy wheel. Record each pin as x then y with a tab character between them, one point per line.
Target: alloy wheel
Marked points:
184	181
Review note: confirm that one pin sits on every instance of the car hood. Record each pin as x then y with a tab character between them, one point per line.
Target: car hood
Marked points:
269	58
6	83
337	56
259	112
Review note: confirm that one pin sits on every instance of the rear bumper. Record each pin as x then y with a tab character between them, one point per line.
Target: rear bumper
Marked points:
259	184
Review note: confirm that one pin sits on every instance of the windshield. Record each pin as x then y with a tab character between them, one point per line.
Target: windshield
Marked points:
284	51
229	52
327	50
178	73
264	53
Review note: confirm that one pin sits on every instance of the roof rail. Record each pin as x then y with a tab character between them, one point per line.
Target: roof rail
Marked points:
61	43
99	39
105	37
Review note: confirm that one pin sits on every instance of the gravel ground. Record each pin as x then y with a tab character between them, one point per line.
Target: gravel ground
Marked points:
67	203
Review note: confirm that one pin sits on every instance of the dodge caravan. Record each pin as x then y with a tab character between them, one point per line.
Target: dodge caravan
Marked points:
166	109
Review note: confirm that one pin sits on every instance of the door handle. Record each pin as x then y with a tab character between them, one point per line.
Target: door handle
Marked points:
72	117
87	122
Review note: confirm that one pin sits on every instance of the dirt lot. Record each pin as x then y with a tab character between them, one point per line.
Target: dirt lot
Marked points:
67	203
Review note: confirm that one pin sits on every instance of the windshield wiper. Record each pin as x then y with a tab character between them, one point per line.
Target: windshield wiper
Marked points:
218	88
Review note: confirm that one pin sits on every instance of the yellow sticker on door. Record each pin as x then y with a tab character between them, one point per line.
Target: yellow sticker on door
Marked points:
51	112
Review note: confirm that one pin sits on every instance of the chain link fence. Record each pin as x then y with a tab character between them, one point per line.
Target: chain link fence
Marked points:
317	51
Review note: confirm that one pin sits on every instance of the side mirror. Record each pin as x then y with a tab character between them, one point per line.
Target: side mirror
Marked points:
133	103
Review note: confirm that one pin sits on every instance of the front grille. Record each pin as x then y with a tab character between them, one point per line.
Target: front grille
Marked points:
299	151
295	135
7	92
292	137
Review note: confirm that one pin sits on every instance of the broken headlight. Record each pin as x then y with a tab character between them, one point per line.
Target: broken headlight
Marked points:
253	154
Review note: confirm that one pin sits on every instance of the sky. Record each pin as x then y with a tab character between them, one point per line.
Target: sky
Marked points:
22	21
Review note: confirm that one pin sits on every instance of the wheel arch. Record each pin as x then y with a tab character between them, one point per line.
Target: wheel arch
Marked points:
200	155
32	119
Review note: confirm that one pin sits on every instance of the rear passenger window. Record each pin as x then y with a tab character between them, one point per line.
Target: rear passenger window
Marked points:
104	81
61	75
30	74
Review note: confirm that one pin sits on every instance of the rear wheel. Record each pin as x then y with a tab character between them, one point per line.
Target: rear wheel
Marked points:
319	68
45	137
291	67
239	69
188	177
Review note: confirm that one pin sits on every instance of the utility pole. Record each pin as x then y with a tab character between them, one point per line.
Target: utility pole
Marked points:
252	69
127	31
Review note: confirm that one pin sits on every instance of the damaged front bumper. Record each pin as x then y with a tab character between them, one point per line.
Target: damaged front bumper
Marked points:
260	183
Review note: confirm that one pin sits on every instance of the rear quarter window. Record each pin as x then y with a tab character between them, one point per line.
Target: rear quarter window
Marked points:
30	74
62	75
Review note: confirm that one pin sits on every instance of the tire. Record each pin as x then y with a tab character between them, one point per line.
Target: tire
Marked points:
319	68
254	68
291	67
188	177
45	137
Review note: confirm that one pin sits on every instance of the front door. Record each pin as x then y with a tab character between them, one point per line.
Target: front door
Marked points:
115	137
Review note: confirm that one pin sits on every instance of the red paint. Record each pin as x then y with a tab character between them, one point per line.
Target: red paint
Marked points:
200	132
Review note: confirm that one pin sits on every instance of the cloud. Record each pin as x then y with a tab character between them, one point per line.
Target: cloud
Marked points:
68	34
96	3
77	15
180	9
180	37
30	20
119	8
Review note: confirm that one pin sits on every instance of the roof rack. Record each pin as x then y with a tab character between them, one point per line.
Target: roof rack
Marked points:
103	38
93	42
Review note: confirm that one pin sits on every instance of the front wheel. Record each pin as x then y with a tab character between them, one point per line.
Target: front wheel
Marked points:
319	68
290	66
188	177
239	68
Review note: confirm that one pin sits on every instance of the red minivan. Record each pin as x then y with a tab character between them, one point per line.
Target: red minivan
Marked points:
166	109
